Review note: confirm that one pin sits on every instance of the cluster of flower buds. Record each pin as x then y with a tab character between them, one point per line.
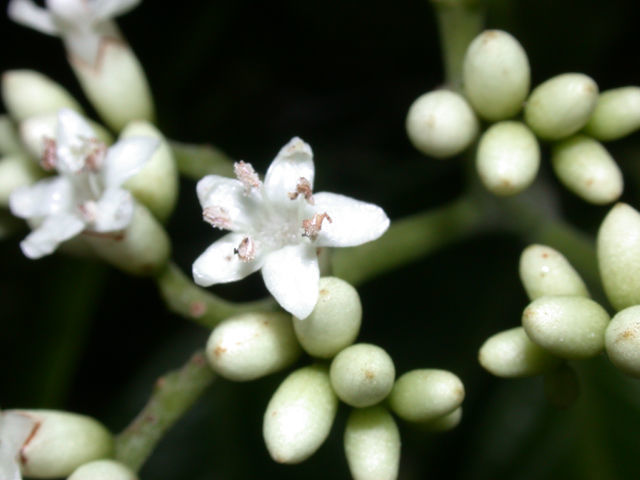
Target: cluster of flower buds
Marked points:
566	111
301	412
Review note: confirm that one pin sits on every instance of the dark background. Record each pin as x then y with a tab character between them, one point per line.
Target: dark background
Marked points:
246	76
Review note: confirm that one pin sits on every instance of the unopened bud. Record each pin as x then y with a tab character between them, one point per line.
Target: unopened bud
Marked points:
103	470
617	114
10	143
622	340
444	423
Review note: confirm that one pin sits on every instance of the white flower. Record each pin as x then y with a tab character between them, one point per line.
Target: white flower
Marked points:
15	430
278	226
82	24
86	195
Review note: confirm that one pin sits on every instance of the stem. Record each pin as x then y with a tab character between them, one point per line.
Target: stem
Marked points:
196	161
172	396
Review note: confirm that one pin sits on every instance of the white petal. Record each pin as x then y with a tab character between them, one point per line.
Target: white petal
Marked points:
126	158
293	162
352	222
106	9
219	264
114	211
28	13
241	207
71	127
50	196
291	275
53	231
14	431
84	43
71	13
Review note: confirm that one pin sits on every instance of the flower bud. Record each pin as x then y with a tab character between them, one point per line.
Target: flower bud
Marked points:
116	84
561	386
622	340
10	143
569	327
335	321
362	374
618	248
508	158
15	171
496	75
426	394
60	442
27	93
444	423
561	106
103	470
299	415
584	166
441	124
546	272
156	184
512	354
372	444
616	115
252	345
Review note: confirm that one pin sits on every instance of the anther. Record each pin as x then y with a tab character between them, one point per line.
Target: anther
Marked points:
217	216
88	210
95	158
247	175
303	188
312	226
49	156
246	251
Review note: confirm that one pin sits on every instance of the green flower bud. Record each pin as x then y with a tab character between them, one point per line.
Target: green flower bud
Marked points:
103	470
561	106
512	354
60	442
444	423
546	272
622	340
156	184
441	124
569	327
619	256
27	93
10	143
362	374
16	171
372	444
496	75
561	386
508	158
299	415
252	345
335	321
585	167
426	394
616	115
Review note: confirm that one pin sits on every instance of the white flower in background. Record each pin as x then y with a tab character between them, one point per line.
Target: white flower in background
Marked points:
82	24
278	226
14	432
86	195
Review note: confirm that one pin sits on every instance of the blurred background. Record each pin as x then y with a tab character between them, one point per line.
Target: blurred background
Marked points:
246	76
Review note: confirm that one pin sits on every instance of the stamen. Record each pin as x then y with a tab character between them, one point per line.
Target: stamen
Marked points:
49	156
247	175
303	188
246	250
94	160
217	216
88	210
313	225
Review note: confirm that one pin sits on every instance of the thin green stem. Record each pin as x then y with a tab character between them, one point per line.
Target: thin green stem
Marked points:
196	161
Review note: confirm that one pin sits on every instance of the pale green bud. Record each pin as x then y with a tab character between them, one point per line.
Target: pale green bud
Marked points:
441	124
618	249
60	442
444	423
426	394
103	470
252	345
156	184
622	340
496	75
10	143
561	106
512	354
585	167
362	374
568	327
616	115
545	272
335	321
299	415
16	171
27	93
372	444
508	158
561	386
116	85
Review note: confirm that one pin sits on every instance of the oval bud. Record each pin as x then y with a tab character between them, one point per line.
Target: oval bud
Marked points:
372	444
512	354
16	171
335	321
426	394
27	93
569	327
585	167
618	249
546	272
617	114
103	470
508	158
496	75
561	106
441	124
299	415
252	345
444	423
622	340
561	386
